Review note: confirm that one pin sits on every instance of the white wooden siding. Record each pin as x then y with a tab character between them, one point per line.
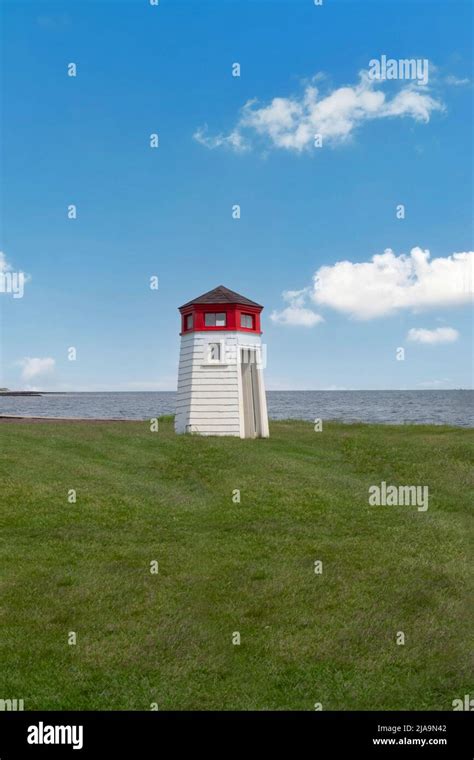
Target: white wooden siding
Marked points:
209	394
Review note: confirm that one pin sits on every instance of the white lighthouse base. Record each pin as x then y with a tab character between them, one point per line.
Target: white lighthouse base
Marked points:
220	385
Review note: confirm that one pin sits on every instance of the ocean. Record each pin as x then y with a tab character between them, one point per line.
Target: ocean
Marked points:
437	407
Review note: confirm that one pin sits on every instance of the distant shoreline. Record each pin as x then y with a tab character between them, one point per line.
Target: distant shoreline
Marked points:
269	390
20	393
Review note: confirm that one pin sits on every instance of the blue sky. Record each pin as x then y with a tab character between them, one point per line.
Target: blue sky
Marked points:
141	211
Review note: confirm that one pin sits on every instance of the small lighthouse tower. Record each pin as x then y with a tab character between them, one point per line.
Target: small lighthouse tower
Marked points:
220	379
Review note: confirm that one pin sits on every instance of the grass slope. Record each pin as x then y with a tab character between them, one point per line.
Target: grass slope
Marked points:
226	567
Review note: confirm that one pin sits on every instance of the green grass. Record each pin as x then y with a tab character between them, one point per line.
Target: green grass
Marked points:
226	567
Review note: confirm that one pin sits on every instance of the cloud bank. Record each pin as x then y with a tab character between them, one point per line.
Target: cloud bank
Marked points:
389	283
432	337
33	367
292	122
383	286
296	314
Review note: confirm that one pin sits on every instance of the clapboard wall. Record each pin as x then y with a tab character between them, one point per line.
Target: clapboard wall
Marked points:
209	399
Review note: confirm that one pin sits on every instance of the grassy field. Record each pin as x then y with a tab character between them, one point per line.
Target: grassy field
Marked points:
228	567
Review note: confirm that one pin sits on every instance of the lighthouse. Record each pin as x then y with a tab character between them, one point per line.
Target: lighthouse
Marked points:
220	379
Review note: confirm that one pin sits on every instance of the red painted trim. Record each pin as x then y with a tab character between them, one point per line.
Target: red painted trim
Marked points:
232	311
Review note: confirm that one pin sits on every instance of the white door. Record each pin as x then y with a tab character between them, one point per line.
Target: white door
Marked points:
250	393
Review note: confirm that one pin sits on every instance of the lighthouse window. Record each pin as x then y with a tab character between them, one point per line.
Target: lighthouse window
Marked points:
214	352
246	320
189	321
215	320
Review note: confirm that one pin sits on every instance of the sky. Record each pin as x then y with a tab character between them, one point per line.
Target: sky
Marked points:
354	189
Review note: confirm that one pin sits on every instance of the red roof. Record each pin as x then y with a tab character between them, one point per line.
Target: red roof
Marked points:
222	294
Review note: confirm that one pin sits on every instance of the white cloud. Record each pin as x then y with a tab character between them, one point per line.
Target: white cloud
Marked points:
389	283
457	81
296	317
411	102
4	265
432	337
435	383
234	140
296	314
33	367
292	122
